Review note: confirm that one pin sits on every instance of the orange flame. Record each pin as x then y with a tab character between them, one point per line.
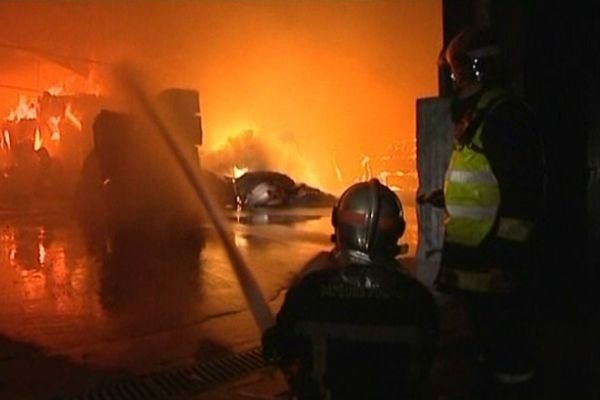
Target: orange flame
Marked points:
53	124
37	140
237	172
71	117
26	109
56	90
41	254
6	139
336	167
365	164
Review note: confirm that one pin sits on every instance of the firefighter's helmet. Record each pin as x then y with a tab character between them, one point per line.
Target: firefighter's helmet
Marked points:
472	56
368	218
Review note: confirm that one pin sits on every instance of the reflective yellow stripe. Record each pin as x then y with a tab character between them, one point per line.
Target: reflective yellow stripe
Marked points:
514	229
472	281
475	194
359	333
471	176
514	379
468	231
471	190
471	211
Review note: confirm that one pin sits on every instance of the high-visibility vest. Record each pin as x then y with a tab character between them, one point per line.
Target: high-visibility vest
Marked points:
472	198
471	189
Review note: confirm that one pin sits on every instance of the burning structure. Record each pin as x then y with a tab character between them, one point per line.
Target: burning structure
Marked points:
301	141
43	143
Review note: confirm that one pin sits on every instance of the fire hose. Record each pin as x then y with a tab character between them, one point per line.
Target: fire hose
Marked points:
257	304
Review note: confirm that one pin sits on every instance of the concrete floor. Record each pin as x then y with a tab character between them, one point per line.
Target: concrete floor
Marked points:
69	322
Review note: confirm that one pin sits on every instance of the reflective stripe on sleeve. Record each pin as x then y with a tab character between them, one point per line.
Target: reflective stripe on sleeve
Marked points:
471	211
471	176
359	333
514	229
514	379
472	281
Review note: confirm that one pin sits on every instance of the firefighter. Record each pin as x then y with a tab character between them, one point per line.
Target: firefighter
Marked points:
493	195
355	324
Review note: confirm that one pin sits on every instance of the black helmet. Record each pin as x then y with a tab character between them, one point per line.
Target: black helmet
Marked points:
472	56
368	218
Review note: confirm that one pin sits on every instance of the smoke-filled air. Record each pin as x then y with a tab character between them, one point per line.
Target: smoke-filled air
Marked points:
323	91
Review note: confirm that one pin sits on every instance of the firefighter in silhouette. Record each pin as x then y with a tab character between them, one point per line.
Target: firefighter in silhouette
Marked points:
356	325
493	196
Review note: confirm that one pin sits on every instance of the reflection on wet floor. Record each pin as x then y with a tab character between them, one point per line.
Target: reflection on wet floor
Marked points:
266	217
144	307
56	294
46	280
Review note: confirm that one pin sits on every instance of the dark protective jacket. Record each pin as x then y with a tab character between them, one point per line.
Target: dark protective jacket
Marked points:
355	332
502	131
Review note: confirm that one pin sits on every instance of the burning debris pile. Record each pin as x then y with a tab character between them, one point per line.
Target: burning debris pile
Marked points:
264	189
248	150
70	148
132	191
42	144
257	184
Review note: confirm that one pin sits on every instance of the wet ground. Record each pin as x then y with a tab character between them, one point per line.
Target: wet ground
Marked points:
70	321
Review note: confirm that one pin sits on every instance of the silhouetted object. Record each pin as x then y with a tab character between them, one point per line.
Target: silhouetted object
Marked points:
182	106
33	177
141	279
133	180
23	173
90	206
355	325
220	187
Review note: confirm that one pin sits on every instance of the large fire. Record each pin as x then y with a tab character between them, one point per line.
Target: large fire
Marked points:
51	123
43	142
249	151
322	91
47	122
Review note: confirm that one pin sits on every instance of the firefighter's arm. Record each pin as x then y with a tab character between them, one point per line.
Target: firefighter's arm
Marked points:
278	342
272	343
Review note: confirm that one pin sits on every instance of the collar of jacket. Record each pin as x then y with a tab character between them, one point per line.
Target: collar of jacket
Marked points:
474	113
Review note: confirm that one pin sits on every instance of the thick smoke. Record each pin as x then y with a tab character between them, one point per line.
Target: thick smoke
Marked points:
343	76
249	149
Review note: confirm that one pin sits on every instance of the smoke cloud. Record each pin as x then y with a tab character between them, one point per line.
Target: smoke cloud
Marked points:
318	83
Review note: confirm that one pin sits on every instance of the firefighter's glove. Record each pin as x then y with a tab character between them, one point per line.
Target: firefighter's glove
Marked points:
271	343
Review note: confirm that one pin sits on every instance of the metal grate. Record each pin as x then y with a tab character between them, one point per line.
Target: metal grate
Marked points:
177	382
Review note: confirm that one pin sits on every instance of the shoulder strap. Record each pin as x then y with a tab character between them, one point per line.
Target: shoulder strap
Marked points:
488	102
